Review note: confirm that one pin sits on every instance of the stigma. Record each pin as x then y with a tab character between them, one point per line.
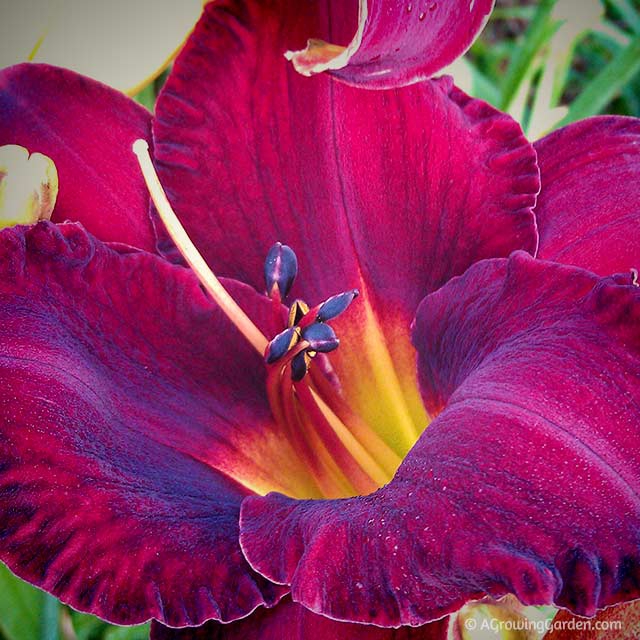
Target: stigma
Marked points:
340	452
307	333
190	253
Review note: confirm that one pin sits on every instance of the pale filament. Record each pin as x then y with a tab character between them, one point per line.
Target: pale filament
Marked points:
189	252
323	427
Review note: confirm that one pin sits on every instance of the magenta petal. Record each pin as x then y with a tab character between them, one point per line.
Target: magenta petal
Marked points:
396	43
124	448
588	210
87	129
291	621
527	481
388	192
393	191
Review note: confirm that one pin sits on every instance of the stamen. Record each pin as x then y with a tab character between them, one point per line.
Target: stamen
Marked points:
335	305
298	310
281	344
321	337
361	469
369	439
188	250
328	477
280	270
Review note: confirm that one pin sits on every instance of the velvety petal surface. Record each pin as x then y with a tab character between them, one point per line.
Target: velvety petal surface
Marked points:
389	192
87	129
527	481
396	43
133	421
588	208
291	621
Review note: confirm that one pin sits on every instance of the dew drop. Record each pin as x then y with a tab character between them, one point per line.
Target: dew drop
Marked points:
409	7
422	16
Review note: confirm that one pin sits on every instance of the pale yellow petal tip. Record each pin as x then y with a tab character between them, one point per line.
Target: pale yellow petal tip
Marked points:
318	56
28	186
504	619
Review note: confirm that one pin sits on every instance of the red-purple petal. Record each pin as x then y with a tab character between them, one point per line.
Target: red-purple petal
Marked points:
396	43
588	209
527	482
291	621
133	422
362	185
87	129
388	192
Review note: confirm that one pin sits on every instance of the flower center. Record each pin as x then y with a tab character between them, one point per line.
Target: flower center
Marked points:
341	453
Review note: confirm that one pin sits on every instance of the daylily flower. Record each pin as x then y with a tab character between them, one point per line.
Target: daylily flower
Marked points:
153	465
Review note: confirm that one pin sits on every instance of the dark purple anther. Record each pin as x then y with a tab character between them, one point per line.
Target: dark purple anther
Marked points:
335	305
321	337
280	269
280	345
300	366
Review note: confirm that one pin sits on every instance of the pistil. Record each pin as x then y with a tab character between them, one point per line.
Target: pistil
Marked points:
192	256
340	451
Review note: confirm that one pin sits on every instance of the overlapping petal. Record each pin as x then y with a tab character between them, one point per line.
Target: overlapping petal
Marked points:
394	205
396	43
133	421
588	208
527	481
291	621
87	130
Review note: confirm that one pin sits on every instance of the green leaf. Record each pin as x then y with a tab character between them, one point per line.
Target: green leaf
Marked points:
606	85
26	613
147	97
536	36
628	13
140	632
87	627
50	618
483	87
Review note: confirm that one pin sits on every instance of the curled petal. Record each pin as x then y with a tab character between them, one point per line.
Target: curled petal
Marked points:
527	482
87	130
291	621
396	43
588	212
125	451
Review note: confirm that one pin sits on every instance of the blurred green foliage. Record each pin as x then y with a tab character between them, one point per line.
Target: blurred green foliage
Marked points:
26	613
552	62
595	69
